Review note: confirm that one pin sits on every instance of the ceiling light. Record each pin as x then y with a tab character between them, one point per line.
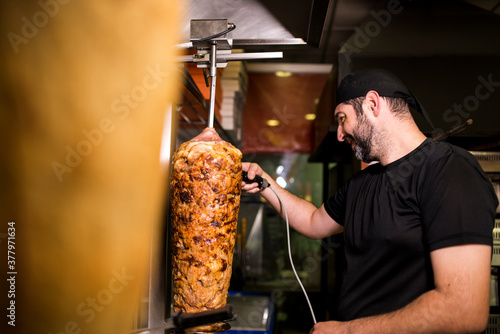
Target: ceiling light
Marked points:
310	117
272	122
283	74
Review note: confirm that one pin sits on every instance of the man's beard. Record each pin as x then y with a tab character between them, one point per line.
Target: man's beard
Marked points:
363	137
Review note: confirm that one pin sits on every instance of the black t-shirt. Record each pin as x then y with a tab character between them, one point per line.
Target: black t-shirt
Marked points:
394	216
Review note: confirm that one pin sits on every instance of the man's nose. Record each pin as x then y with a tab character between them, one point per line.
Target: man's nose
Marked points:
340	133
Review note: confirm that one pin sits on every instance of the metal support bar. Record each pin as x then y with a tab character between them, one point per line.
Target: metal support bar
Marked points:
203	60
213	75
249	56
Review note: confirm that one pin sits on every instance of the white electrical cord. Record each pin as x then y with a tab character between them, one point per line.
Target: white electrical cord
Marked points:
290	253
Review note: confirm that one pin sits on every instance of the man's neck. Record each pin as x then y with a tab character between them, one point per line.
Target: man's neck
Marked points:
400	143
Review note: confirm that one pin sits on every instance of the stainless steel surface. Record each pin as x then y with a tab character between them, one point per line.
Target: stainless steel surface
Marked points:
310	29
252	19
252	313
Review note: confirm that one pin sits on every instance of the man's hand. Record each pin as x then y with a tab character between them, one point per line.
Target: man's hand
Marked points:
252	169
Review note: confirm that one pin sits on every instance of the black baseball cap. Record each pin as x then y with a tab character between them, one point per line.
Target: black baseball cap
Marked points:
384	82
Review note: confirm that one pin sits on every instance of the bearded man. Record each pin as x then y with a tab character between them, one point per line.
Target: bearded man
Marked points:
417	222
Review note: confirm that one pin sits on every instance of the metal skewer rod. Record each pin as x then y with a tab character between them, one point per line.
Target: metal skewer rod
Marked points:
213	75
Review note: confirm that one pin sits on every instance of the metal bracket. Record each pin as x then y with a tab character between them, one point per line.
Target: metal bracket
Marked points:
215	53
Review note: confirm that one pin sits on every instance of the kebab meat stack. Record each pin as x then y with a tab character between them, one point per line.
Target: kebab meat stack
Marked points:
206	190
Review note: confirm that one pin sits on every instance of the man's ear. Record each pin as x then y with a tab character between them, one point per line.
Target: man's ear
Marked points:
373	100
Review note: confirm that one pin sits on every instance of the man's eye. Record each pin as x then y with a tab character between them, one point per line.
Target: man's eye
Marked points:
341	119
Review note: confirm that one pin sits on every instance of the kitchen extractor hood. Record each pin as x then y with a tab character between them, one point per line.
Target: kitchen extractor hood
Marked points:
276	23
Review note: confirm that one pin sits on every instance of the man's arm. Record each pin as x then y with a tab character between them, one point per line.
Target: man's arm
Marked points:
458	304
303	216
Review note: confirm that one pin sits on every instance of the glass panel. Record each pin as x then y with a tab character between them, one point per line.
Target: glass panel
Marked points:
261	262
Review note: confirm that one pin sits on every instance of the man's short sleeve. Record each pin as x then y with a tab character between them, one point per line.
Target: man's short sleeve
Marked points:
458	203
335	206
